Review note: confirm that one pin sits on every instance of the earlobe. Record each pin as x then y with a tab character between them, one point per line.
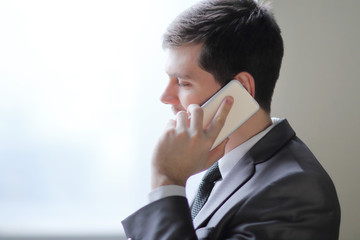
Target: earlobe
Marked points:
248	82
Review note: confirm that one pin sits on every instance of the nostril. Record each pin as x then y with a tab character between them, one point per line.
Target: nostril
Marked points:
165	99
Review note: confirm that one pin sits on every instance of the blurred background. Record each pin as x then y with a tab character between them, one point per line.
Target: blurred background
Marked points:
80	83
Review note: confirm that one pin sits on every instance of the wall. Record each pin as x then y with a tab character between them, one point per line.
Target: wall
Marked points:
318	90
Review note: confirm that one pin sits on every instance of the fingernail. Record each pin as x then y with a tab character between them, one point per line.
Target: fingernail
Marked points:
229	100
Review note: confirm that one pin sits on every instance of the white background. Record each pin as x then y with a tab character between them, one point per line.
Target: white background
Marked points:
80	83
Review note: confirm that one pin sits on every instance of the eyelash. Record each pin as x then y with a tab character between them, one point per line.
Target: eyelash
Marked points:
183	84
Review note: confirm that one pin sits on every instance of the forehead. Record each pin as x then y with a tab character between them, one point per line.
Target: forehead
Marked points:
183	60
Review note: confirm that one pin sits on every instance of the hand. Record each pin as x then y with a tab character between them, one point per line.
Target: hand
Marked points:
184	148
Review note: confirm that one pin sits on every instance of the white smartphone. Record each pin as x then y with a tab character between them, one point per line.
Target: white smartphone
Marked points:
243	108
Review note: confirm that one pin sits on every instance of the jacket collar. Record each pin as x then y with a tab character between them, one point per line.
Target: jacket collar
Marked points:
244	169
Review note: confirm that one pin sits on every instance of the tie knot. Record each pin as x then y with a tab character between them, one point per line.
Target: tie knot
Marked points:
213	174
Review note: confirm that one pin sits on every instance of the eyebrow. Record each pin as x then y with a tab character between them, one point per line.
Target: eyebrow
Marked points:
178	75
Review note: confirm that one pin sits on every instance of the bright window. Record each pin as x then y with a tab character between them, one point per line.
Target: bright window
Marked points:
79	111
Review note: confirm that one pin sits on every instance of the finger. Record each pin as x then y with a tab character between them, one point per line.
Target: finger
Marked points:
170	125
217	153
197	115
218	120
181	120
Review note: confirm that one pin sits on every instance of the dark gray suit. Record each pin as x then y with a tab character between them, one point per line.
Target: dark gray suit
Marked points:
278	190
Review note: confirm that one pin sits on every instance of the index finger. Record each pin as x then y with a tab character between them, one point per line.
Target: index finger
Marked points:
218	120
197	115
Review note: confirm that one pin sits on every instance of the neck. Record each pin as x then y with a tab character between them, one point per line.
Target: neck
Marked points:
257	123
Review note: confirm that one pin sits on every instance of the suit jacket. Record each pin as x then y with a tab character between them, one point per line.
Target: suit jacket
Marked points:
278	190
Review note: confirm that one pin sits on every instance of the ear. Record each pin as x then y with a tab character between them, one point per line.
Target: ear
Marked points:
247	80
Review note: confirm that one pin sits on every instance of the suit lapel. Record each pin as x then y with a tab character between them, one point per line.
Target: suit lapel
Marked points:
245	169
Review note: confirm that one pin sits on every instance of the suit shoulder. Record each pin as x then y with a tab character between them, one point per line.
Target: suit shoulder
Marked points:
294	172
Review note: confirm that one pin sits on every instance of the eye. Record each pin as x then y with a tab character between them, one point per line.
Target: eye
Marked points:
183	84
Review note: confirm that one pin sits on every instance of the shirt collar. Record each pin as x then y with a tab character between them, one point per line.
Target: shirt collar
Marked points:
228	161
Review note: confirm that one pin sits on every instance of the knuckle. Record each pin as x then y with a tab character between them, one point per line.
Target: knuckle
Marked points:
182	133
196	134
219	120
195	110
181	114
194	106
198	110
170	132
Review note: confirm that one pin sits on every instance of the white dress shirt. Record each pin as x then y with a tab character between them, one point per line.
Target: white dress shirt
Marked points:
226	163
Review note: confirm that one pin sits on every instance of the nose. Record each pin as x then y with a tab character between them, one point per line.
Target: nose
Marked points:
170	95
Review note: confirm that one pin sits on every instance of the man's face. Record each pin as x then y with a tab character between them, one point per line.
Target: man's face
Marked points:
188	83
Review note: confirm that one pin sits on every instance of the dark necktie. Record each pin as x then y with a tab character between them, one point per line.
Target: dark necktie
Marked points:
207	183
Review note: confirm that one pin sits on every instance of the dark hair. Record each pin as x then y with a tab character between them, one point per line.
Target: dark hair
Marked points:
237	36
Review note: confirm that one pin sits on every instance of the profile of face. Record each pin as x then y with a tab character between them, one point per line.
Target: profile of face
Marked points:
188	83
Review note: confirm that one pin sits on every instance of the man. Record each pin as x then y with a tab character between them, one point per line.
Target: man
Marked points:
269	185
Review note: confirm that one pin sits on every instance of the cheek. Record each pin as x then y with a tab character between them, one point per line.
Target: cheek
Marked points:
188	98
194	98
196	95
